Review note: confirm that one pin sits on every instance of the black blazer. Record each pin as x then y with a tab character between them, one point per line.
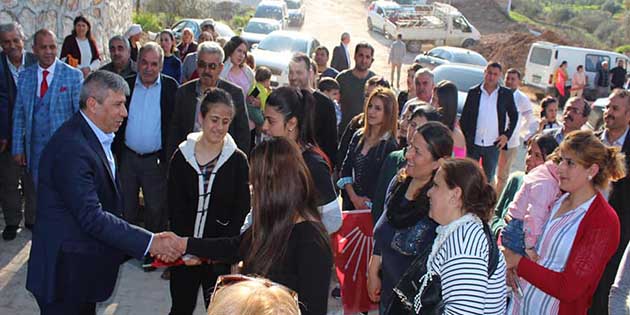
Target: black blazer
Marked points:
470	113
8	92
325	124
339	58
184	115
167	105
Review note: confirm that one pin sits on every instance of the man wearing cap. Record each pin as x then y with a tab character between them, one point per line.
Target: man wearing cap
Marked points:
133	34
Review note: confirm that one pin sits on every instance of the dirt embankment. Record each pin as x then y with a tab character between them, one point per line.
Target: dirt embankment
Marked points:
511	48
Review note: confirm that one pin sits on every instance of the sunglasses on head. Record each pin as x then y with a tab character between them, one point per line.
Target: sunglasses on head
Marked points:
226	280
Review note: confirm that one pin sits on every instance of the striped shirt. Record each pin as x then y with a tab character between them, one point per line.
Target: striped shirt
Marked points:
554	247
462	263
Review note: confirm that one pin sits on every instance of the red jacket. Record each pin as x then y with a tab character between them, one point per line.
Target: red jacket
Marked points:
596	241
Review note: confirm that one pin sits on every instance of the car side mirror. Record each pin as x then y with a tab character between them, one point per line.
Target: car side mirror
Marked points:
254	46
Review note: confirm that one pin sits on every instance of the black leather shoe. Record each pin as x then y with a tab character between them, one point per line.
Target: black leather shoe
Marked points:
146	265
10	232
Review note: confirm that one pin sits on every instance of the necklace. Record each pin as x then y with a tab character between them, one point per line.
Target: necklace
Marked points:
443	233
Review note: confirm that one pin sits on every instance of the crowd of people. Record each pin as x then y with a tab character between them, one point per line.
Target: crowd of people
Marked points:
236	177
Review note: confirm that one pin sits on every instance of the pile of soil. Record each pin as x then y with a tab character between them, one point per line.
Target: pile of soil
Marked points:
511	48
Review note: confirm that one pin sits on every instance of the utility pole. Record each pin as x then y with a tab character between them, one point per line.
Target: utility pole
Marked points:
509	7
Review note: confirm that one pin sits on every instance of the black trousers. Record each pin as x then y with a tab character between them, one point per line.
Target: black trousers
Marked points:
66	308
185	282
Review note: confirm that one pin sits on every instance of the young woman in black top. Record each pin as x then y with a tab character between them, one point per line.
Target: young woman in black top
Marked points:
287	242
208	196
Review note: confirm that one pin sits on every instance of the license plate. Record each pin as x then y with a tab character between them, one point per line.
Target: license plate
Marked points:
536	78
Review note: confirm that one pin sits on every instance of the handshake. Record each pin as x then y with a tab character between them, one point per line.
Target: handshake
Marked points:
167	246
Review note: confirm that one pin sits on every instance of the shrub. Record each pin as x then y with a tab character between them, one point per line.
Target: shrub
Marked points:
150	22
611	6
623	49
560	15
607	32
590	19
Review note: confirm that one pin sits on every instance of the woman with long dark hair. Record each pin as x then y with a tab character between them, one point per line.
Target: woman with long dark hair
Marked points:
445	100
172	65
235	68
405	229
287	242
79	48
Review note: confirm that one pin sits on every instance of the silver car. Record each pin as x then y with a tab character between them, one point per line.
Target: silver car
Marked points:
276	50
258	28
195	25
465	77
446	54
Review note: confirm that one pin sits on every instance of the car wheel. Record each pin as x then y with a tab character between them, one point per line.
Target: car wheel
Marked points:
468	42
370	25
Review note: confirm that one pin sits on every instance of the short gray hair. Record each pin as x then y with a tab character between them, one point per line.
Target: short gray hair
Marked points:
423	71
98	84
211	48
151	46
13	26
120	38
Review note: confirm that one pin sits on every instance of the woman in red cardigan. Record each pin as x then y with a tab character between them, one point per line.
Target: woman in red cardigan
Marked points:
79	48
579	238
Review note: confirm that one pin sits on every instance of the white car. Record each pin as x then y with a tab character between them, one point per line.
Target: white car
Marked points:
379	12
276	50
446	54
258	28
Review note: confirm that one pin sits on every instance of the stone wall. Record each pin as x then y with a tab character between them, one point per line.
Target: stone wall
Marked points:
108	17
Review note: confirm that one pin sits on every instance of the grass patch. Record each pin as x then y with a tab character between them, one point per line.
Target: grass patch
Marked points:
520	18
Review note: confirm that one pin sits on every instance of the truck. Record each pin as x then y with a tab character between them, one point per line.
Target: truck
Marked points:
545	57
436	24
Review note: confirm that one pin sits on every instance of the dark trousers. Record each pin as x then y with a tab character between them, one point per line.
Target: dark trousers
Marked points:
66	308
489	156
149	174
9	193
185	282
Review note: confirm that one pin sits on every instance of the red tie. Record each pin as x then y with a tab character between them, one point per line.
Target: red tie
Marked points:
44	87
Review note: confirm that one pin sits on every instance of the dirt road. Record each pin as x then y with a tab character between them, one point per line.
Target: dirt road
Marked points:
327	19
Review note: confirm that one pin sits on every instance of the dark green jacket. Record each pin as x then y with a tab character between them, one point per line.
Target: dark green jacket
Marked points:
513	185
392	164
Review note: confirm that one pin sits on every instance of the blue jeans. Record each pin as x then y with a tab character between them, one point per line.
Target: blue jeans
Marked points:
490	157
513	237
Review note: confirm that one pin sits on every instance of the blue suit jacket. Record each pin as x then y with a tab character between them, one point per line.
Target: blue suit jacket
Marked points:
80	238
62	98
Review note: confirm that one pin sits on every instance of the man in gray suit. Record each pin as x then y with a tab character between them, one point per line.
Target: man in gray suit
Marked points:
13	59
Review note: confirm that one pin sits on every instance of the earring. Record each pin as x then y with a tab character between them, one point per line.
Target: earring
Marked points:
290	130
590	177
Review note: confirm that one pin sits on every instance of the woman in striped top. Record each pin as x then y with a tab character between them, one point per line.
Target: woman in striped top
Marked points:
578	239
464	256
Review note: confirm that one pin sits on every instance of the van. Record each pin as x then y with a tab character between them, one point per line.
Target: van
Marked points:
273	9
545	57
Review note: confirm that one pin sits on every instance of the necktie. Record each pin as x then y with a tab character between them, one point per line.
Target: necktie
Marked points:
44	87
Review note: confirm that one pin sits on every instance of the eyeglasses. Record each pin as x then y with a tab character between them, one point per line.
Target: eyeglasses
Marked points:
203	65
226	280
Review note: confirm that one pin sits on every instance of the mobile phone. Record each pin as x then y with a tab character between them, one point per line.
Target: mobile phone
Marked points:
254	92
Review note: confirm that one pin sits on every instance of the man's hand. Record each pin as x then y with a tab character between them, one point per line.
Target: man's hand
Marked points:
20	159
3	144
167	246
501	141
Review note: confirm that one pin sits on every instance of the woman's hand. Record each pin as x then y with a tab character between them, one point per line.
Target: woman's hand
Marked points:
373	280
512	278
531	253
511	258
253	101
360	202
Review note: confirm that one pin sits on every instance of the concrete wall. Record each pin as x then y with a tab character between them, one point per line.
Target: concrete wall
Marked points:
108	17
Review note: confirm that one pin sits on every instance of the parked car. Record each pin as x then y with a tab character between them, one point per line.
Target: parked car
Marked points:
275	51
195	25
258	28
464	76
544	58
436	24
297	12
273	9
446	54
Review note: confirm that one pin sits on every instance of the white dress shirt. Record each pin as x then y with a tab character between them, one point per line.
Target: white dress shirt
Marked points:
86	55
487	120
526	124
49	78
15	71
617	143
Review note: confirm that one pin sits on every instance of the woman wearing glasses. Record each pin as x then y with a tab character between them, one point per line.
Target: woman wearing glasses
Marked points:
287	242
208	196
580	236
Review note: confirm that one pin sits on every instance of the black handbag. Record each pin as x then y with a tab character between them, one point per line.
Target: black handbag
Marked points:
409	285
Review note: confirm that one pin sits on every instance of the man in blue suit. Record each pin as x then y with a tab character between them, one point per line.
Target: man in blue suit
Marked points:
80	238
13	59
47	95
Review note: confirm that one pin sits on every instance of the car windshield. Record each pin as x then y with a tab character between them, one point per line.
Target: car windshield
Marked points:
269	12
283	43
463	78
260	28
293	5
471	59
